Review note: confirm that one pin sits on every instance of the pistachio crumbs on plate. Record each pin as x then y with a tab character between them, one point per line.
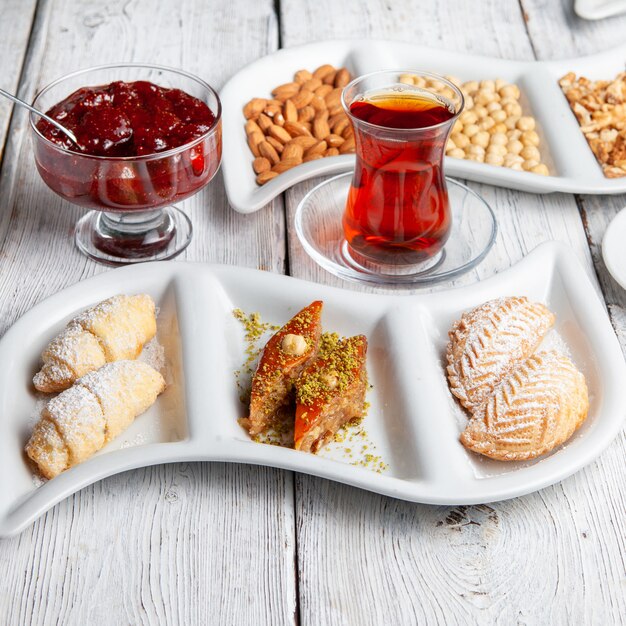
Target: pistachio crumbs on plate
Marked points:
255	329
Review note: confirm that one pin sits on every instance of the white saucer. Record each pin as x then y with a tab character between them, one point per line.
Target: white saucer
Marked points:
318	224
413	423
614	248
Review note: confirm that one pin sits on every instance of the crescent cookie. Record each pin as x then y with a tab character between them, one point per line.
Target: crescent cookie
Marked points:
113	330
95	409
535	409
488	342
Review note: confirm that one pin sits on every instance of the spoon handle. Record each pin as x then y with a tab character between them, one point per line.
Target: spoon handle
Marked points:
52	121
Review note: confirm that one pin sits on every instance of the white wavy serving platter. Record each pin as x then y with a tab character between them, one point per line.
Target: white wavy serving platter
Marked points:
574	167
599	9
413	422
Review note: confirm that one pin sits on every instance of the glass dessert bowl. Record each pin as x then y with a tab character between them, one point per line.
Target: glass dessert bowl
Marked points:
129	178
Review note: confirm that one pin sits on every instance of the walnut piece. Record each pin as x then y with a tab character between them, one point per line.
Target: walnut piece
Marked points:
600	108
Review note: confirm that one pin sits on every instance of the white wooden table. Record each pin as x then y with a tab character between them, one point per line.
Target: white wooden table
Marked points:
232	544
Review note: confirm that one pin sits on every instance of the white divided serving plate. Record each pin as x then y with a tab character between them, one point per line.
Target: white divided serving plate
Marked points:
413	422
574	167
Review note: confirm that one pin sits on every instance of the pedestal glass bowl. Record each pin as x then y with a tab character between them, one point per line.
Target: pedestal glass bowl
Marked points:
132	217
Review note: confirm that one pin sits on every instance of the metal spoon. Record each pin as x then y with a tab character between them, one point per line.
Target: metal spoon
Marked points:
56	124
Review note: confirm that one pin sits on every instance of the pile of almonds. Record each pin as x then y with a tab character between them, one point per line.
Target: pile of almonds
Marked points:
600	108
491	129
303	121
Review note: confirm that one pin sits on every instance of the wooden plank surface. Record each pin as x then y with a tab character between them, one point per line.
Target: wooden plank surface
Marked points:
17	18
553	557
171	544
15	28
214	543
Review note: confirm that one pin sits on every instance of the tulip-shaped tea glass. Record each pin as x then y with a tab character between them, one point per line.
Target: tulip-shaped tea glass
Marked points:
132	218
398	210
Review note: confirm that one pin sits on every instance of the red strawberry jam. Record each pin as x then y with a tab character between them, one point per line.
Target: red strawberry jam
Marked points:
129	119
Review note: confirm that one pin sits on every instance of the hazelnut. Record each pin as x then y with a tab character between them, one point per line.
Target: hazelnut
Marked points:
498	116
456	153
530	138
330	380
530	152
499	139
471	130
493	158
526	123
514	146
481	138
294	345
540	169
529	164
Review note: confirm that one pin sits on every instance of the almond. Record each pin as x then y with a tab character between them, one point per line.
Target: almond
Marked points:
303	121
292	151
340	126
321	129
334	141
279	133
318	104
254	107
254	139
334	110
312	84
252	127
323	91
319	148
306	141
288	90
312	157
290	111
302	98
263	177
261	164
306	114
329	79
285	164
264	122
342	78
277	145
333	119
269	152
296	128
272	110
322	71
333	98
347	146
301	76
322	115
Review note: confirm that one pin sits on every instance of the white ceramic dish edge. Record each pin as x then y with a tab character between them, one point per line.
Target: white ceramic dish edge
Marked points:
613	249
599	9
207	441
567	147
